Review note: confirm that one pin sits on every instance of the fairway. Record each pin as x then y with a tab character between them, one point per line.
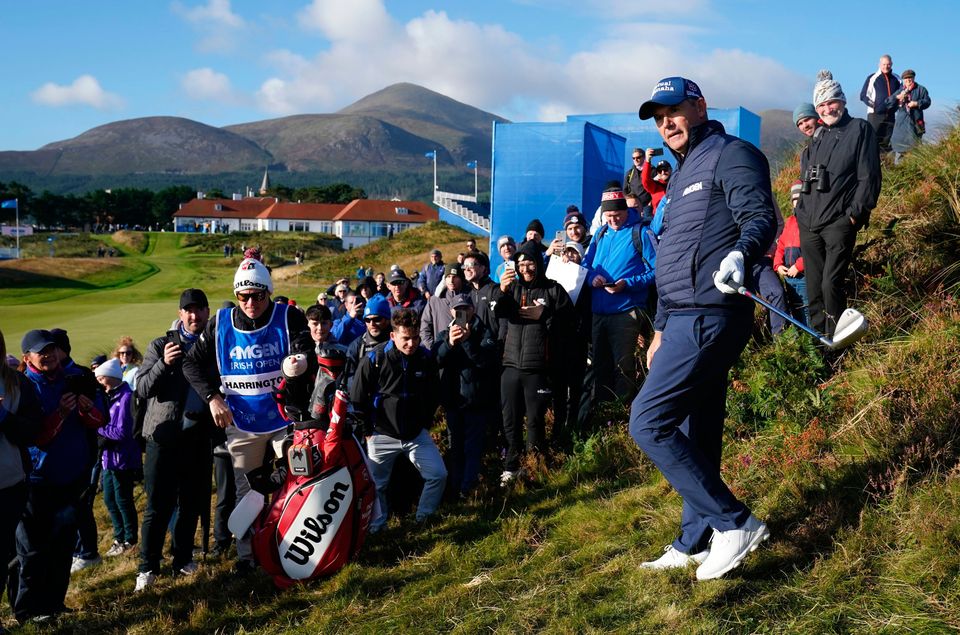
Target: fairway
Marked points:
142	308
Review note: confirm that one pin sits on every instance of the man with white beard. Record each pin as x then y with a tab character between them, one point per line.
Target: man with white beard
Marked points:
840	174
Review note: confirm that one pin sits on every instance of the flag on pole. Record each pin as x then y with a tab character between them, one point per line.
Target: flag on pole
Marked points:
431	155
472	165
11	204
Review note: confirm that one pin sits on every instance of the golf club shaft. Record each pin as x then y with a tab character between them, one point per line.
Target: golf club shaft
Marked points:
823	338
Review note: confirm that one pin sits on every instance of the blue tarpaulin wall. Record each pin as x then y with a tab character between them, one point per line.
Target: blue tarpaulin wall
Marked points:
541	168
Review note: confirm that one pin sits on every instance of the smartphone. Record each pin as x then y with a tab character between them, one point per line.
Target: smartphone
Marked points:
657	152
174	336
610	284
460	318
80	385
561	234
511	264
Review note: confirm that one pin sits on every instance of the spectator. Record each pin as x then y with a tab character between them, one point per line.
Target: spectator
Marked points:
909	125
320	323
96	361
177	427
655	178
876	92
394	396
722	224
538	313
483	292
87	551
534	234
350	326
367	288
339	297
432	274
841	174
805	118
620	278
436	315
381	281
575	228
20	416
121	458
569	419
402	293
506	247
467	354
130	359
788	261
376	320
637	195
254	428
767	282
471	246
71	409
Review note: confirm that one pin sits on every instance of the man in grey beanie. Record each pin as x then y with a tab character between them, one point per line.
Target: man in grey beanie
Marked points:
840	173
805	118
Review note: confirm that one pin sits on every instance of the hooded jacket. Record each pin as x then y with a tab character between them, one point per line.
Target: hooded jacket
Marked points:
532	333
121	451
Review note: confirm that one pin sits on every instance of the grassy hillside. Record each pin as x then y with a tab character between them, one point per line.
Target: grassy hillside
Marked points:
853	462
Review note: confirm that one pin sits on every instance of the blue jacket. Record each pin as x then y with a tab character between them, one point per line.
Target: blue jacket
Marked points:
430	277
66	457
718	201
613	255
346	329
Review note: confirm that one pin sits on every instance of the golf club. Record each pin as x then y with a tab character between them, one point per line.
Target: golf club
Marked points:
851	326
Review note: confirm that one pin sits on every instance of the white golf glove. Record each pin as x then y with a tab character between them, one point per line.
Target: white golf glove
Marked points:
729	278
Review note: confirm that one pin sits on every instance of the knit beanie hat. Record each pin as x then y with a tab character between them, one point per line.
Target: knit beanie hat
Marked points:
802	112
505	240
377	306
827	89
536	226
252	275
110	368
612	199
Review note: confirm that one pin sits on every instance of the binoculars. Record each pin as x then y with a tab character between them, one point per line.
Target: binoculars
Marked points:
815	174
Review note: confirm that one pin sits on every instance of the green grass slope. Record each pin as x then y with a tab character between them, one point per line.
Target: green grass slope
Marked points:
854	464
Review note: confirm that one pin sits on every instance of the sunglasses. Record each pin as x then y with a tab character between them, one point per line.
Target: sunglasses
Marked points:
637	158
373	318
124	352
256	296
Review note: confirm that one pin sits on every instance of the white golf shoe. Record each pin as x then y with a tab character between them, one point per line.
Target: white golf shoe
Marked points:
673	559
729	548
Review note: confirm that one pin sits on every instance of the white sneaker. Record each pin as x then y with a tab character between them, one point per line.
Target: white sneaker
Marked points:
729	548
79	564
507	477
144	580
115	549
673	559
188	569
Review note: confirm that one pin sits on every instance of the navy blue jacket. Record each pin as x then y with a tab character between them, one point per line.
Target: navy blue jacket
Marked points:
718	200
877	89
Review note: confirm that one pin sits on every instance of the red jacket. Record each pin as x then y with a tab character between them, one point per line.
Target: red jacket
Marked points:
655	188
788	246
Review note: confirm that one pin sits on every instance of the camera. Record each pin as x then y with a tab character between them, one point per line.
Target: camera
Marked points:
815	174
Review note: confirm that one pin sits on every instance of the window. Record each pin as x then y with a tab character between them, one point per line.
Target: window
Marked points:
299	226
325	227
356	229
380	230
246	226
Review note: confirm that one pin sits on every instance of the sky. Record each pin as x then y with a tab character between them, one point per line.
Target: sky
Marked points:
70	66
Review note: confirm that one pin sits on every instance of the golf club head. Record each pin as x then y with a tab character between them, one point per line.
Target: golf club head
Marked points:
851	326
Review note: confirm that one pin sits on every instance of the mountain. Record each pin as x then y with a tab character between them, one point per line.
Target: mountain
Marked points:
387	131
779	138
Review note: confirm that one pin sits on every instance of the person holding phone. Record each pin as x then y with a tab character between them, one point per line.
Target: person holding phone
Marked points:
654	178
620	278
60	456
178	430
574	228
468	357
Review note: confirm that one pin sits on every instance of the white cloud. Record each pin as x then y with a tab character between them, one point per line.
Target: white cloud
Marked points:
85	90
219	26
487	66
205	84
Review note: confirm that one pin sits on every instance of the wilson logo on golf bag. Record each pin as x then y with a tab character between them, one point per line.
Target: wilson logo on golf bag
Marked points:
317	522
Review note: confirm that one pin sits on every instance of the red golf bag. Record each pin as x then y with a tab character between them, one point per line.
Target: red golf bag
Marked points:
318	519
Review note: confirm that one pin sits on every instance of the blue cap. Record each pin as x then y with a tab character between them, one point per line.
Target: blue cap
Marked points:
36	340
378	306
670	91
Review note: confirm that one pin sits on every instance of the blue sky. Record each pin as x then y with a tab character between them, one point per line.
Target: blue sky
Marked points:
72	65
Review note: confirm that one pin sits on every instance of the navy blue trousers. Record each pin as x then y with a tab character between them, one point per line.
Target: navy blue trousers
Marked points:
677	419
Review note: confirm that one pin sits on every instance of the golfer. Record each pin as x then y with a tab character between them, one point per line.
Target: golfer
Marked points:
720	221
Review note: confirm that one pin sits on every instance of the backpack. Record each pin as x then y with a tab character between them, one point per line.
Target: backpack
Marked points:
644	241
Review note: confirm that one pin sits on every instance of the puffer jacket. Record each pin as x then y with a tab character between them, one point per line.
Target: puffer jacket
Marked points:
121	451
529	342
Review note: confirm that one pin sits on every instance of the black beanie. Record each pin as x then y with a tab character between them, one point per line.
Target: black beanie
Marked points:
536	226
612	199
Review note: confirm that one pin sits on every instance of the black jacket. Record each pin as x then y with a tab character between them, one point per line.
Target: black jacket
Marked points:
530	340
166	392
395	394
849	152
470	368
